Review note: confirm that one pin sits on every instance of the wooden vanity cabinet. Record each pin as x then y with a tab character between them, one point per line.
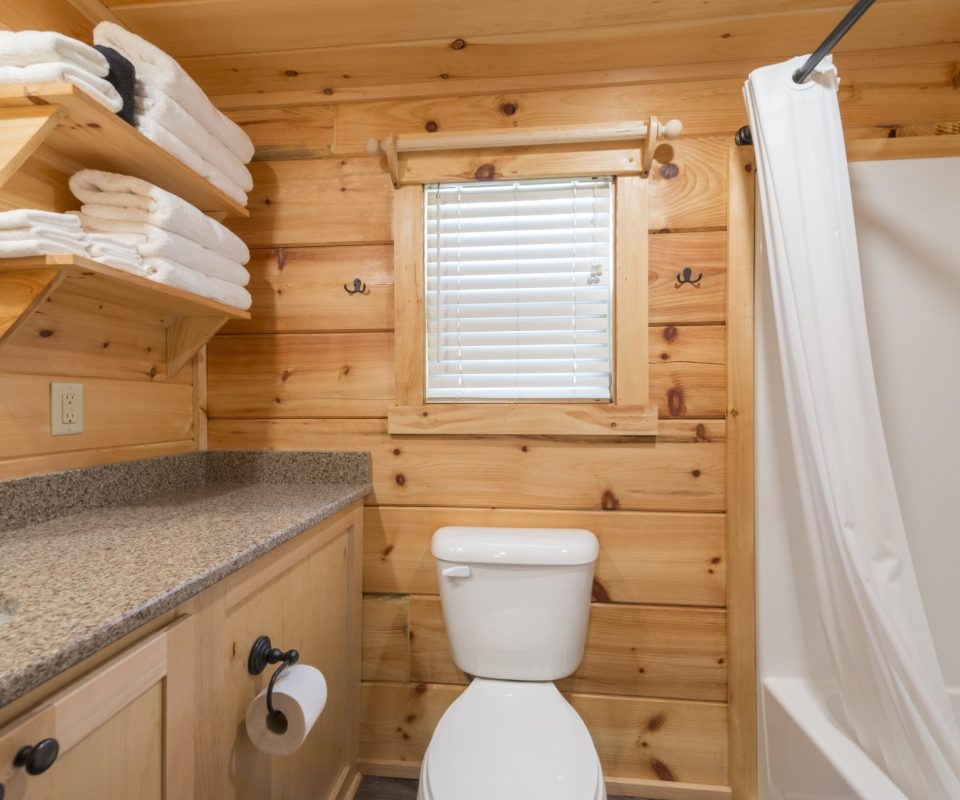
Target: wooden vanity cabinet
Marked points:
165	718
118	733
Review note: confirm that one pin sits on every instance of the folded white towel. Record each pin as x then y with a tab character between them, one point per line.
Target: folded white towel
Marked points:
120	241
23	48
39	247
181	277
152	104
156	68
59	71
123	198
183	152
119	262
163	244
27	217
51	232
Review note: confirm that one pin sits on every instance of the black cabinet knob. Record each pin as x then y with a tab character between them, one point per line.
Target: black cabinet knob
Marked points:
38	758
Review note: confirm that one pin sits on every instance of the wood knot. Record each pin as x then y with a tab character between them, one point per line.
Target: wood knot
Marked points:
662	771
656	722
432	126
599	593
153	372
715	560
609	501
291	73
670	333
508	108
46	333
444	76
701	431
725	36
669	171
410	718
94	125
485	172
328	91
458	44
696	473
400	479
285	375
396	451
281	257
421	688
675	404
387	551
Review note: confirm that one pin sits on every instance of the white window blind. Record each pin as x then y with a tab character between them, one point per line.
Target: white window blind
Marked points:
518	290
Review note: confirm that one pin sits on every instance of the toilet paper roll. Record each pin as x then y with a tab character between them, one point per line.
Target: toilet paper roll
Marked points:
300	694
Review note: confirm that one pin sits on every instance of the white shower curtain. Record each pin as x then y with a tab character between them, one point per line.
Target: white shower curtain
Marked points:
866	589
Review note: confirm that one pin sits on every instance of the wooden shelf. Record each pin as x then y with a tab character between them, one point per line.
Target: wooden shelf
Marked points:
62	130
189	320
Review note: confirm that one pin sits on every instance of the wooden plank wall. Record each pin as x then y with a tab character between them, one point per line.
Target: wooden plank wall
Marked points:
314	367
132	409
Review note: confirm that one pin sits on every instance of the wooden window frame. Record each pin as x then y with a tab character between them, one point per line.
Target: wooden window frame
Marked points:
629	413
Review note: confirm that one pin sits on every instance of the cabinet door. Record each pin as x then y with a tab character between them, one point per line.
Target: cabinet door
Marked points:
119	731
305	595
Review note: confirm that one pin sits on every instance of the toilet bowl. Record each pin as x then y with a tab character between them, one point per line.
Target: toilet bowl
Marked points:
515	605
511	740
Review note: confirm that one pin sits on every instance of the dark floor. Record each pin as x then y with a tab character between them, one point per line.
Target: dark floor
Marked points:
399	789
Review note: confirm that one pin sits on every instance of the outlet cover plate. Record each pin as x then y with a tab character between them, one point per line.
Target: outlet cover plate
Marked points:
66	408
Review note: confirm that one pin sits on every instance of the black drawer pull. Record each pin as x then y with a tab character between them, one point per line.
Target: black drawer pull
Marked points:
38	758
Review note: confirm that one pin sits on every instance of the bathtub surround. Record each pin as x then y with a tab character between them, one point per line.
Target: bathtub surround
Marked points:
881	650
171	526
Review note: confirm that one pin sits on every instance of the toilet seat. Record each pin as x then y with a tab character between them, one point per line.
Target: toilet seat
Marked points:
511	740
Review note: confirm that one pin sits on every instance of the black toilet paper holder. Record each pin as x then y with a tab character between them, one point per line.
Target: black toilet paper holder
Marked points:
263	653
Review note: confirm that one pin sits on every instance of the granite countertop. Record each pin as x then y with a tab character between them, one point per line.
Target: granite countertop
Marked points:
89	555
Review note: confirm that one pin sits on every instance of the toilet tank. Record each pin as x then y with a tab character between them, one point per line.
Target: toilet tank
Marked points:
516	600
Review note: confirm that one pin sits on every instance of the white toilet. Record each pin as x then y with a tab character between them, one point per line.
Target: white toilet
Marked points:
515	604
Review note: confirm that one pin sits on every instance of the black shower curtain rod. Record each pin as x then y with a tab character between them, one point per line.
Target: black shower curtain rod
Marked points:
743	135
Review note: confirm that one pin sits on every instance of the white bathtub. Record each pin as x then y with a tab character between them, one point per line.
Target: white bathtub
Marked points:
808	756
908	240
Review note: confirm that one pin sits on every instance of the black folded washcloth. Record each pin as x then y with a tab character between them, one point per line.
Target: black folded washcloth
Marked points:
123	76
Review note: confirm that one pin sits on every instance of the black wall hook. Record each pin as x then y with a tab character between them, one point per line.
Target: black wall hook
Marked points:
263	653
687	277
359	287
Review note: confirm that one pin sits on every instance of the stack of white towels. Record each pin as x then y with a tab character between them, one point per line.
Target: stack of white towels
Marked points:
49	57
134	225
173	111
27	232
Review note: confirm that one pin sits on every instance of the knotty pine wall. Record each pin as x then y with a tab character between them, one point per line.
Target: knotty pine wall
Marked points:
132	409
314	369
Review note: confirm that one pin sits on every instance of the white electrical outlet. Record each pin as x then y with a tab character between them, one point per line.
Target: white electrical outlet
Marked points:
66	408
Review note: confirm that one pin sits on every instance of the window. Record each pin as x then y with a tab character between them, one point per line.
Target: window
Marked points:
517	288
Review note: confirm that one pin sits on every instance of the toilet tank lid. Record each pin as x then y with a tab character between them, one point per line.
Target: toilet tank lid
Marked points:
516	546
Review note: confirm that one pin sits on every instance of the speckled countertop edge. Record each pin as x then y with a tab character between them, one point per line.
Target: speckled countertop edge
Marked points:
315	502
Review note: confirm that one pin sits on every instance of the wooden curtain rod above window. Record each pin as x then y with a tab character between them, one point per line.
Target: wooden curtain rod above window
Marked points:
646	134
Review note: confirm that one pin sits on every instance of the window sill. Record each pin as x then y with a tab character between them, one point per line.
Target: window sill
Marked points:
523	419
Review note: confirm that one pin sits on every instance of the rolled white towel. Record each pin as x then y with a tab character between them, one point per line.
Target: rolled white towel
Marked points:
181	277
123	198
62	71
171	246
23	48
186	154
40	247
27	217
156	68
153	104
